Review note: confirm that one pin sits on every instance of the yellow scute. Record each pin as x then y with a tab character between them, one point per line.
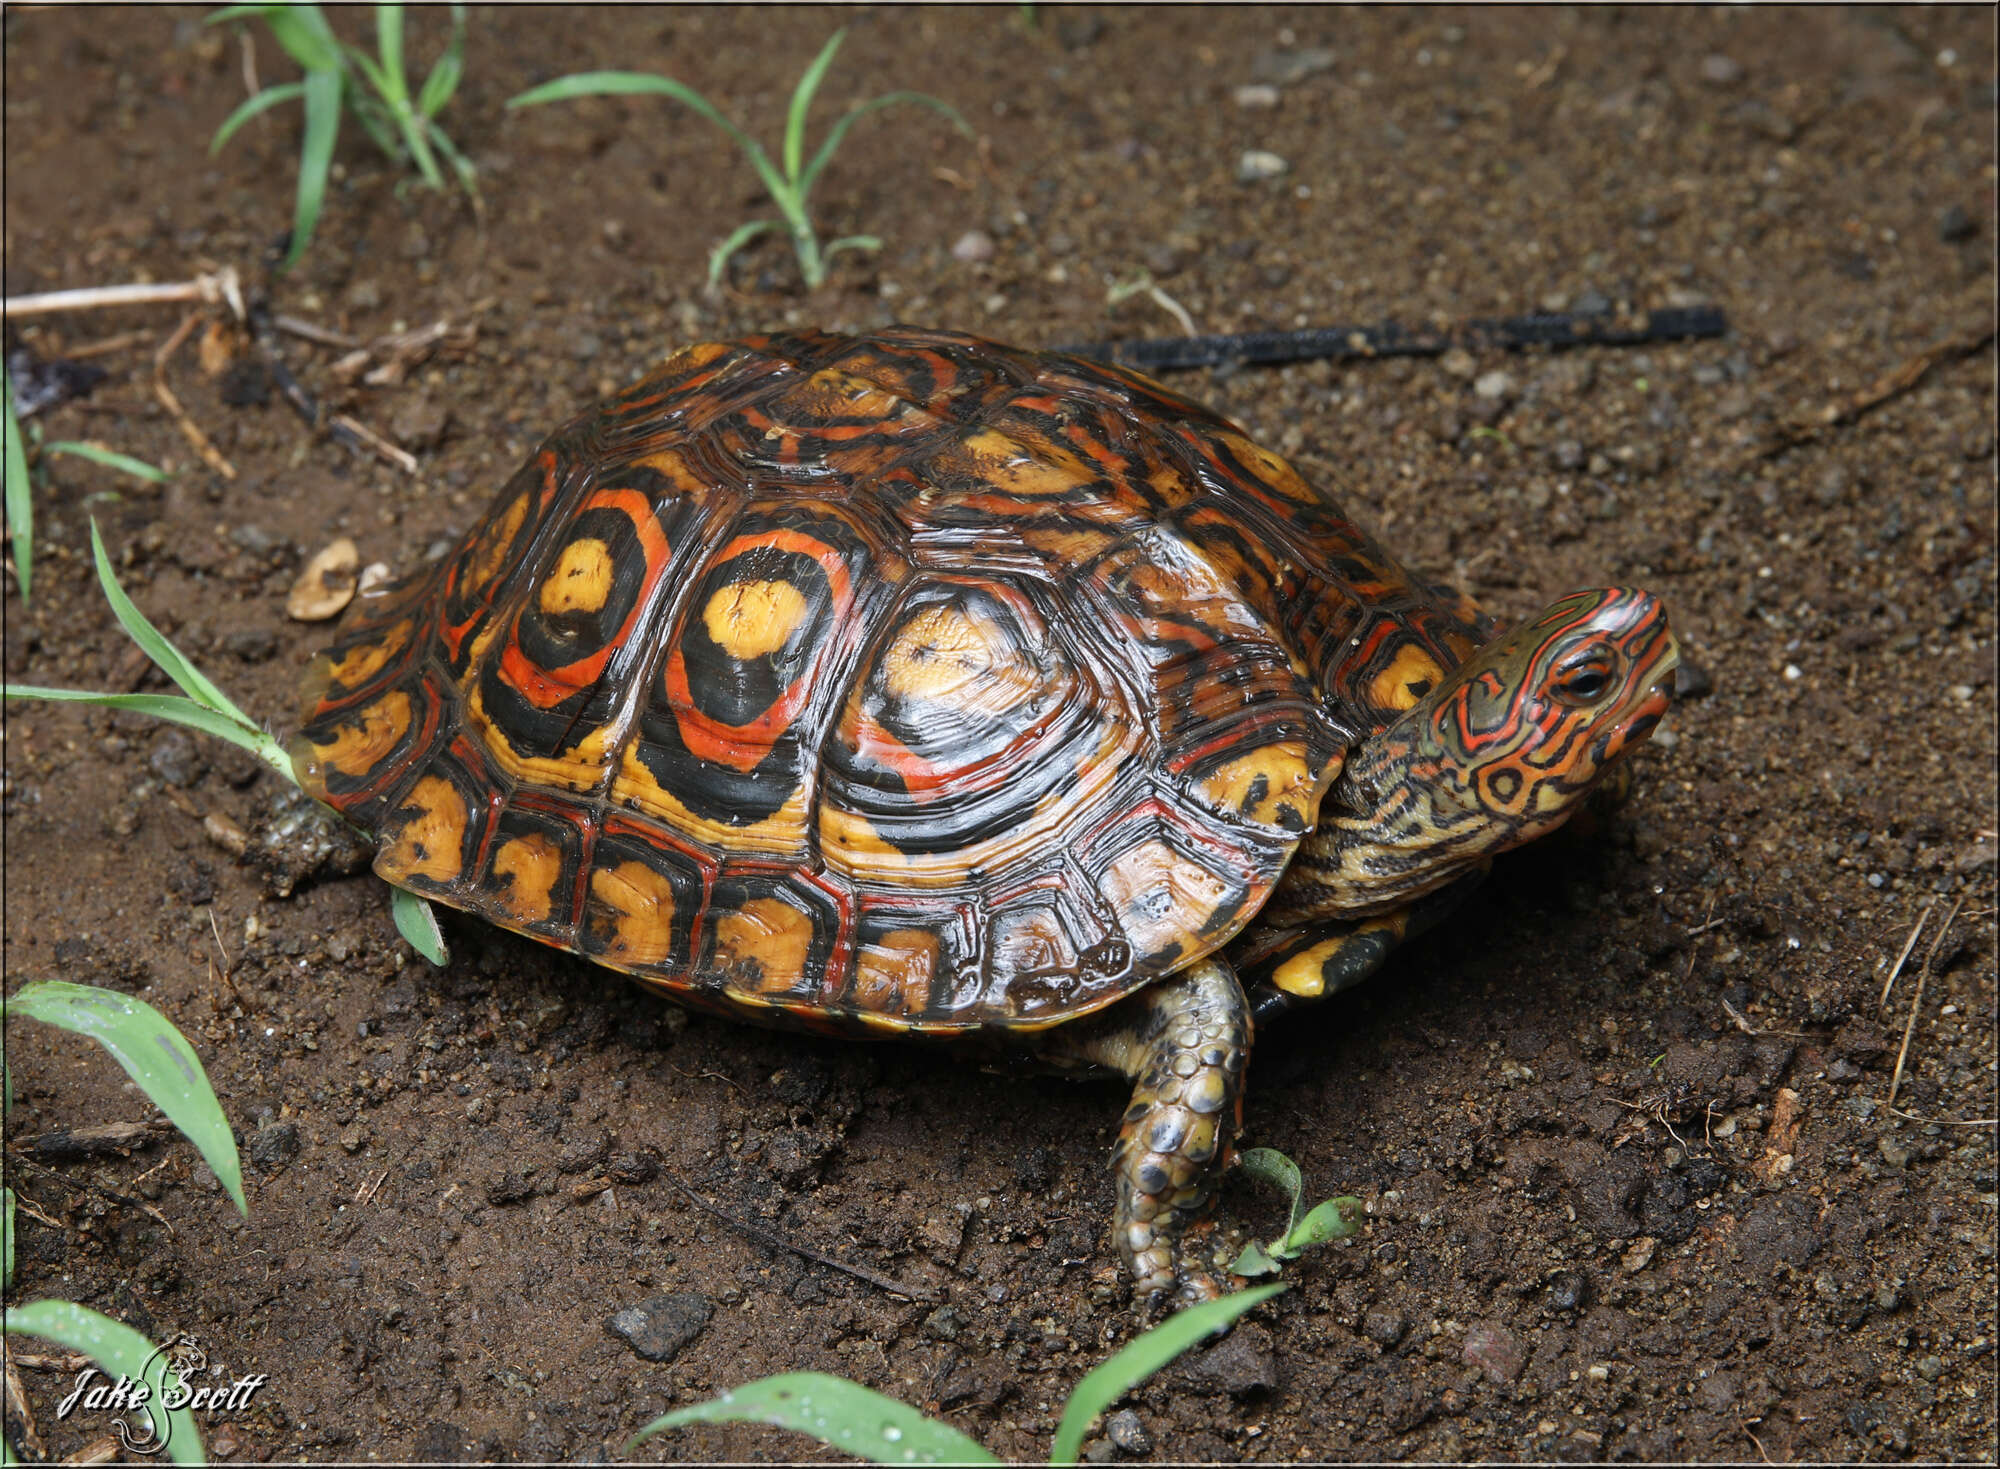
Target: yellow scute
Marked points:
750	619
767	941
893	975
1164	898
356	749
633	913
1287	780
529	866
432	842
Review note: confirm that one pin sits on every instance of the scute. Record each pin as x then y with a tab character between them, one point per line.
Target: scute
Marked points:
895	683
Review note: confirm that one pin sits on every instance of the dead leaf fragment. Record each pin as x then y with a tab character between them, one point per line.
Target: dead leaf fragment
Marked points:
326	585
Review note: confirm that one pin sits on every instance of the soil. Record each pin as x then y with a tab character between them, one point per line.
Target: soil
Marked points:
1648	1172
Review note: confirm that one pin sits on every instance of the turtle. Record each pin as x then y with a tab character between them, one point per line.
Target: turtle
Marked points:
910	684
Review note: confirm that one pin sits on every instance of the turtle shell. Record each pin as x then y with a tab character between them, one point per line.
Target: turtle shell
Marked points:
903	682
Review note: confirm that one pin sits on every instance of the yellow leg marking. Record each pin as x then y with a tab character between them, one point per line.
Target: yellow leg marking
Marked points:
750	619
764	945
580	580
432	841
639	926
530	866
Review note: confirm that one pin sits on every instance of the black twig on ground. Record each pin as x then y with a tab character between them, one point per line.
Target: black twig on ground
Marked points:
1543	329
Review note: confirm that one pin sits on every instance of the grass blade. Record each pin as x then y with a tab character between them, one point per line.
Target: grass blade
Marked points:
853	242
175	710
303	32
20	498
109	458
1111	1380
120	1351
841	1414
241	12
848	119
468	176
264	101
172	662
447	70
322	92
389	42
6	1237
153	1053
644	84
743	234
418	924
802	97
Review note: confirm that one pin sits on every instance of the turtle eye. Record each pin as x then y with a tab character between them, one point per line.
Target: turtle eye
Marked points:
1586	680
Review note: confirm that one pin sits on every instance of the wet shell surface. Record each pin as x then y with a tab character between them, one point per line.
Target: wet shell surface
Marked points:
901	682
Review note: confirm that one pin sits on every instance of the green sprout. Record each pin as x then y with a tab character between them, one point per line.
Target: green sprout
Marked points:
20	496
160	1061
1330	1220
860	1421
404	128
208	709
153	1053
121	1352
791	188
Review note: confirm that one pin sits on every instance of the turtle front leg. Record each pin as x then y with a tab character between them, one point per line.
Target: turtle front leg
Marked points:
1184	1043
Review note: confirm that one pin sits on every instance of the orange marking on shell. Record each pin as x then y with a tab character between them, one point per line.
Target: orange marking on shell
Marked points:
529	866
764	946
357	748
1411	674
744	746
893	975
430	844
546	688
632	913
359	664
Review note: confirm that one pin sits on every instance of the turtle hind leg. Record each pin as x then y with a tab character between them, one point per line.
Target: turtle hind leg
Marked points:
1184	1043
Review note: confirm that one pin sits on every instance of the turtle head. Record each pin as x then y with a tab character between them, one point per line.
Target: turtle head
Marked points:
1504	750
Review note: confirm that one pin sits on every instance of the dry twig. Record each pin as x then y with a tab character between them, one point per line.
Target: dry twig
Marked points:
18	1410
758	1232
210	455
1901	959
1892	384
1917	1000
210	289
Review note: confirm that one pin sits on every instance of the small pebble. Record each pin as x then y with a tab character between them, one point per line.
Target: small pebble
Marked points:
1256	165
1284	68
1495	1350
1127	1433
973	247
1257	95
658	1329
1955	225
1495	385
1721	71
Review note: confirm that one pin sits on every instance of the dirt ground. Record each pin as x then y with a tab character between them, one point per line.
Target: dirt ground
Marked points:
1636	1185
